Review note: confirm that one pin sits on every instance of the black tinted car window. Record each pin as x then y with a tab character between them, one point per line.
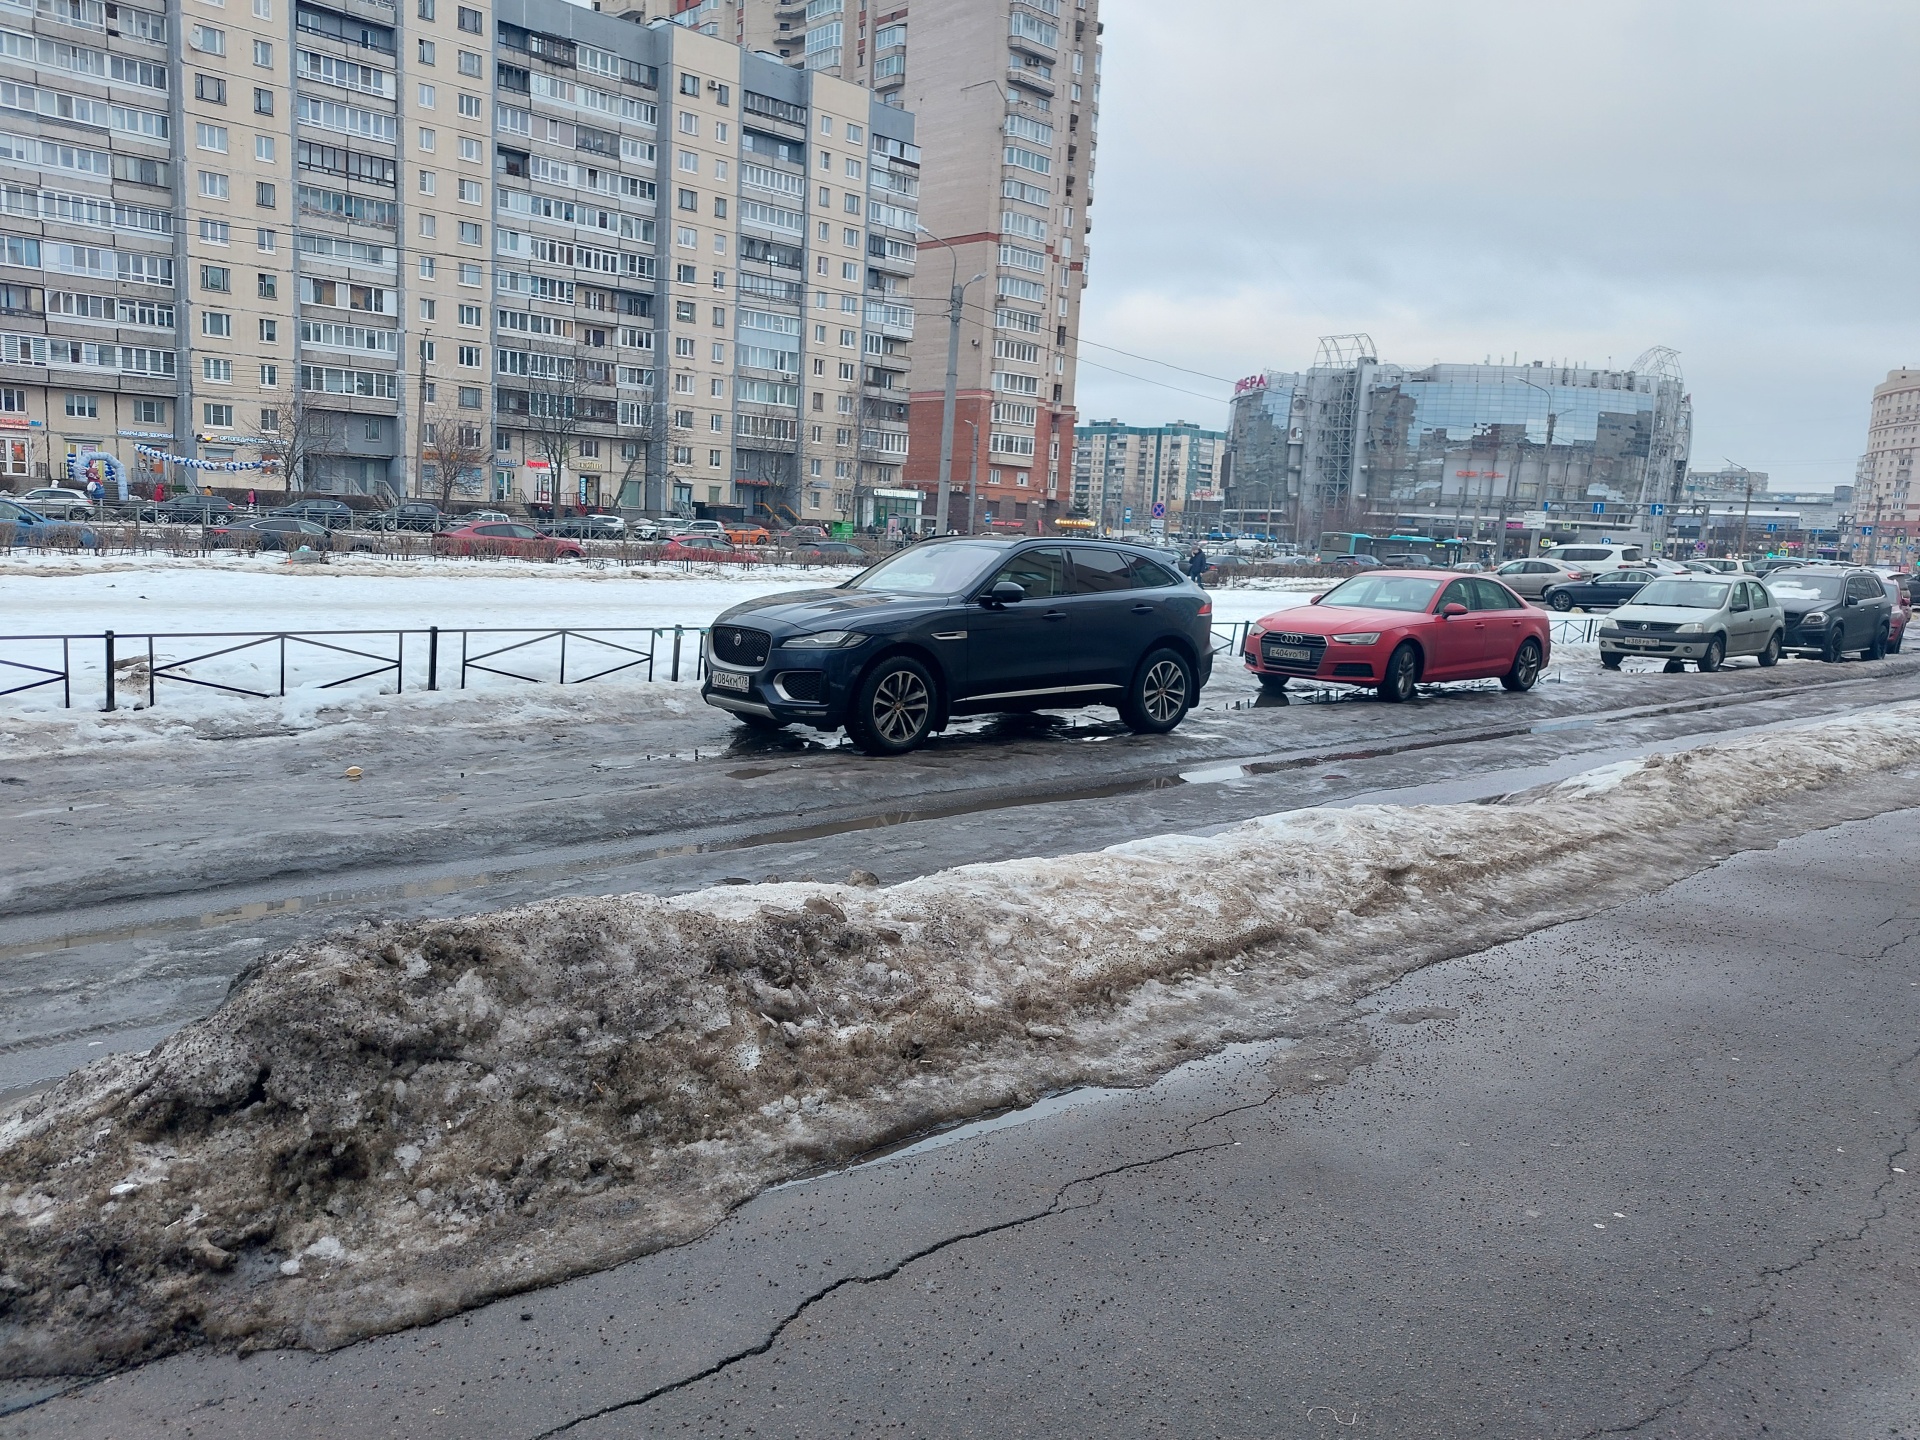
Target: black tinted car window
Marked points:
1041	573
1097	572
1863	587
1150	574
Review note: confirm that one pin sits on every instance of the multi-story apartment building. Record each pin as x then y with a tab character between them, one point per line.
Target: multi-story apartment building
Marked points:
1121	473
1886	514
1732	483
531	251
1007	97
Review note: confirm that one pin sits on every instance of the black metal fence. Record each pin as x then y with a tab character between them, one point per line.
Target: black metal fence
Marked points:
444	659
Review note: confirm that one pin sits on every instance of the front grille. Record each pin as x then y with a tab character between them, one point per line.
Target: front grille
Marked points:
806	686
1648	627
737	645
1314	645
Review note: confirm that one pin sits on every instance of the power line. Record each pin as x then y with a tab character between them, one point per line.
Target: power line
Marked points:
986	313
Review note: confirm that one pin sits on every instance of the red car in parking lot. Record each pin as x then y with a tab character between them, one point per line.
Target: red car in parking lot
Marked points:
505	538
700	546
1392	629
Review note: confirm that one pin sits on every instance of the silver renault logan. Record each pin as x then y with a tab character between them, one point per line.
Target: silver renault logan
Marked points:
1705	619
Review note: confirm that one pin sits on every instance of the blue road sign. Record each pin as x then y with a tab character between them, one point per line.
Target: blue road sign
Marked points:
1773	529
1599	507
1656	509
1866	529
1126	516
1159	509
1546	505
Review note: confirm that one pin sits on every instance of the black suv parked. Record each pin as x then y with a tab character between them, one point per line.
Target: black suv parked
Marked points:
1833	609
968	626
412	515
334	514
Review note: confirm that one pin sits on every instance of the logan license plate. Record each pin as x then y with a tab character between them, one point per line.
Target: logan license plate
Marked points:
1289	652
727	680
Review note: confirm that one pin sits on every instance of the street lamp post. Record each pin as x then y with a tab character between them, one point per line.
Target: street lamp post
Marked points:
1546	464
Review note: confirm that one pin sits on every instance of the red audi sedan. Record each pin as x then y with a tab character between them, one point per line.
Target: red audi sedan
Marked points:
1392	629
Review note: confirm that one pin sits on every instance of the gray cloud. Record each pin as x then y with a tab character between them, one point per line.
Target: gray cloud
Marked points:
1489	177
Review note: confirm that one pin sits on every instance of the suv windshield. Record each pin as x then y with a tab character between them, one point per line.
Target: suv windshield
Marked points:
1799	586
929	569
1683	594
1383	592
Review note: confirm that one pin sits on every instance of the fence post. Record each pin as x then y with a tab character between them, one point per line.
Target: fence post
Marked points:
563	657
66	673
109	639
676	651
433	657
151	677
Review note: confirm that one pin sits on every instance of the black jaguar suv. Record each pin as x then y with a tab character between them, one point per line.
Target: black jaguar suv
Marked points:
968	625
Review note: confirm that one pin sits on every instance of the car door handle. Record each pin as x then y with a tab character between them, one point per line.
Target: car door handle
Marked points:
1056	615
1143	609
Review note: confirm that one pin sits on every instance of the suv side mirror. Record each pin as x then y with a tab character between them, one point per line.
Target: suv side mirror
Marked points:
1007	592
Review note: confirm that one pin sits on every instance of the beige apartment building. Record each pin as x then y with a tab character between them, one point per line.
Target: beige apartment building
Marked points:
1006	97
516	252
1123	473
1886	512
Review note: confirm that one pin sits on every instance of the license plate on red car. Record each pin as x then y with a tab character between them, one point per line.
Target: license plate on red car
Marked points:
1289	652
727	680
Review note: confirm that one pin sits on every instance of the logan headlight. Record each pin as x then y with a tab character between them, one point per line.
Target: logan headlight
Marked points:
1363	637
825	640
1690	629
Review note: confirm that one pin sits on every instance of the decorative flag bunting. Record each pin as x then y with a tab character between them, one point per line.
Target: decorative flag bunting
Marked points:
153	453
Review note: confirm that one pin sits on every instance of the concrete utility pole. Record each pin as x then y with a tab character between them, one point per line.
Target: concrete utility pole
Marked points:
973	481
1746	508
956	302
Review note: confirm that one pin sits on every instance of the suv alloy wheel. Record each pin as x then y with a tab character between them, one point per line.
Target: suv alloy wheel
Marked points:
893	711
1160	694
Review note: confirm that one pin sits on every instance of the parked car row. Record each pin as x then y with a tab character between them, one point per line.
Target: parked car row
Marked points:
1822	611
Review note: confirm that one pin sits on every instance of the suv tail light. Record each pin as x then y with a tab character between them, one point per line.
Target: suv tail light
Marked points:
1206	609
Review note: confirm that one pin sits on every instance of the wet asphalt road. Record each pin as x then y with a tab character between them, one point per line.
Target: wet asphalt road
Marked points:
1648	1173
139	885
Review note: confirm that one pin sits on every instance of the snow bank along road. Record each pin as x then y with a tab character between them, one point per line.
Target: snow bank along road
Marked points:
386	1125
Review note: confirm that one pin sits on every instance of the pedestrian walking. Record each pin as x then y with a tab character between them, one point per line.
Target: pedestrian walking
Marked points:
159	491
253	501
1198	565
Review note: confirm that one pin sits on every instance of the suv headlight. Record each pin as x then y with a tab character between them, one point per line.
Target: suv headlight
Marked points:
824	640
1814	617
1363	637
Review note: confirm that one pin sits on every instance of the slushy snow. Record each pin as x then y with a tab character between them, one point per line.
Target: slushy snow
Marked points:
385	1125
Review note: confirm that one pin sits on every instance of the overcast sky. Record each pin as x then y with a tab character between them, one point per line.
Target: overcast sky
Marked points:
1734	178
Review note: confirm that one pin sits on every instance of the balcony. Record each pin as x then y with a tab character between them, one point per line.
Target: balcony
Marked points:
895	321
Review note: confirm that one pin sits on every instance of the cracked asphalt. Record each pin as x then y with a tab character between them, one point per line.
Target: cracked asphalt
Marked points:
1648	1173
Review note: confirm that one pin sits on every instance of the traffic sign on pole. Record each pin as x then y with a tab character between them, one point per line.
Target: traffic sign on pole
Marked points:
1159	509
1656	509
1599	507
1773	529
1866	529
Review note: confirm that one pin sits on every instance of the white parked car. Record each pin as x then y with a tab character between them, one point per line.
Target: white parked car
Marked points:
58	503
1595	558
1707	619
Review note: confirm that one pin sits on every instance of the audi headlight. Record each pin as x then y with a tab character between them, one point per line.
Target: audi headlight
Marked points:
1255	631
1816	617
1364	637
825	640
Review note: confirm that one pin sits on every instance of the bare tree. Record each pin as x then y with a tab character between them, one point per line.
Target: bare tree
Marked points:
453	443
293	433
562	408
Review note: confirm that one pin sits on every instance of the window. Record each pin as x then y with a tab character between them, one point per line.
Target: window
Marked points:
683	347
211	137
267	287
263	54
469	314
470	107
470	232
83	407
469	274
208	39
689	161
715	458
145	412
264	196
426	52
213	185
689	123
469	64
425	139
469	149
210	88
217	323
470	356
687	200
217	278
428	180
719	208
686	238
220	372
471	193
425	96
469	397
216	232
689	84
429	226
428	265
217	417
468	20
429	352
270	331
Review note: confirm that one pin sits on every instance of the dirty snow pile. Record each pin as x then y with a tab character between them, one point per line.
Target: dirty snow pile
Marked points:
385	1125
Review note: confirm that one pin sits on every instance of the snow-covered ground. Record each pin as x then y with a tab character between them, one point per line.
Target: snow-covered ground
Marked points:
384	1125
234	594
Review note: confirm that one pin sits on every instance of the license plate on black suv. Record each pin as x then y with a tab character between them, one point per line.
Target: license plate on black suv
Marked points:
728	680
